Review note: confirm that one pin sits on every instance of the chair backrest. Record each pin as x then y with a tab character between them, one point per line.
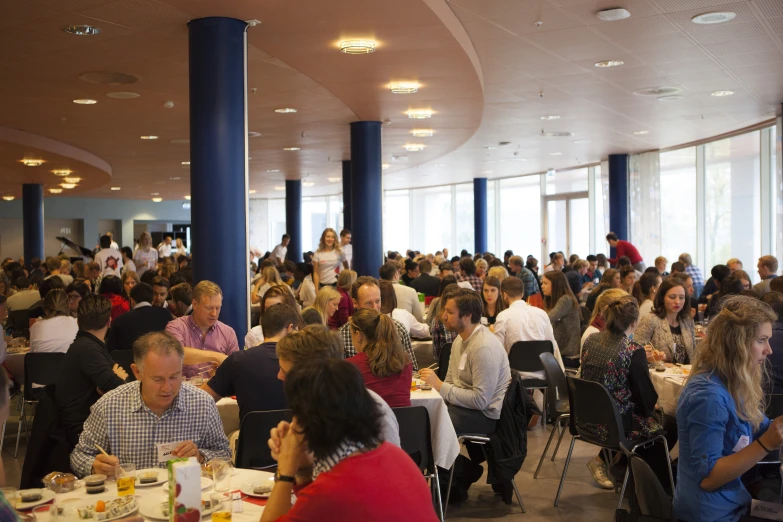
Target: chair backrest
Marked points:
47	448
557	388
415	439
124	358
594	415
523	356
40	368
19	322
650	495
252	449
443	361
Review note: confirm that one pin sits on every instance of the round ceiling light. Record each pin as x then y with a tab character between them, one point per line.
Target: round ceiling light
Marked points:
641	132
611	15
8	198
404	87
82	30
116	188
252	191
149	137
551	117
68	185
285	110
385	166
55	190
30	162
122	95
719	94
609	63
272	170
670	98
157	200
292	148
279	187
414	147
419	114
713	18
357	46
63	172
307	183
422	133
334	180
72	180
187	197
657	91
186	163
253	134
84	101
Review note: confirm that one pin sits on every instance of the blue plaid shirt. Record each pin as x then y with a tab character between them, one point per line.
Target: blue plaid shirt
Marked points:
698	279
529	279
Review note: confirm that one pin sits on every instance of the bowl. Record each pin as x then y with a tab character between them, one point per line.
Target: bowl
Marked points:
94	480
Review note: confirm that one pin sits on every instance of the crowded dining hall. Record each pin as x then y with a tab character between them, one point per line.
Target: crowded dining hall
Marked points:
385	261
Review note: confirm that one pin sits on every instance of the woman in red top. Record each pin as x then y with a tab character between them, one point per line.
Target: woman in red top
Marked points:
386	368
345	281
111	288
331	457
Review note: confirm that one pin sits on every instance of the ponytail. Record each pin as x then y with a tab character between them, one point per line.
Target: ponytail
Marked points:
384	348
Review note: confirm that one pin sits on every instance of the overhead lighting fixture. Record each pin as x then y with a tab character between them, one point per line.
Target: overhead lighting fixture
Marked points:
157	200
155	194
68	185
414	147
713	18
612	15
8	198
404	87
419	114
29	162
385	166
84	101
334	180
72	180
307	183
657	91
55	190
174	178
556	134
186	205
122	95
186	163
285	110
357	46
720	94
279	187
292	148
555	153
550	117
251	191
149	137
641	132
187	197
62	172
82	30
422	133
272	170
609	63
116	188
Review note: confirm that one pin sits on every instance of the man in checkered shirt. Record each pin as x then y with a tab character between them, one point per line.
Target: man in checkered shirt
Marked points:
130	421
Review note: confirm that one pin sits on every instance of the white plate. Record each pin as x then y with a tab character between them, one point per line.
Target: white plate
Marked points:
46	496
150	507
112	518
163	477
205	483
247	489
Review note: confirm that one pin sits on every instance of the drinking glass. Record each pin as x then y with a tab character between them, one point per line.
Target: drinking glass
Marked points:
126	479
221	473
10	495
43	514
222	506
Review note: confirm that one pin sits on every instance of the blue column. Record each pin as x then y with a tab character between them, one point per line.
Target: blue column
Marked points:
293	218
218	159
618	196
32	221
366	197
347	205
480	214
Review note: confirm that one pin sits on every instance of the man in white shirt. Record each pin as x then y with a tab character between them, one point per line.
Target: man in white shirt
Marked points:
407	297
345	244
278	254
164	249
109	259
114	244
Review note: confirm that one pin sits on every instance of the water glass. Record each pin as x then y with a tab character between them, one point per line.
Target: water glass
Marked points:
10	495
221	473
222	506
126	479
43	513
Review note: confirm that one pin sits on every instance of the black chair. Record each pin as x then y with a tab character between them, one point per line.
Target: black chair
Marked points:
124	358
774	409
443	361
652	500
557	398
252	449
19	323
591	405
39	368
524	357
416	441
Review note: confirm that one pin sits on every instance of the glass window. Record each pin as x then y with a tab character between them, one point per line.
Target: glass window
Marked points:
335	218
579	227
601	246
396	220
733	199
562	181
313	222
678	204
430	209
491	225
557	228
277	225
520	216
464	218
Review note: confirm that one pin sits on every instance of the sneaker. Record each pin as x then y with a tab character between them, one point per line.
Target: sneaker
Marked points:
533	422
598	470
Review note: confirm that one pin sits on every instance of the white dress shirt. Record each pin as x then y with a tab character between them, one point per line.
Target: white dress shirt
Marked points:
348	254
279	253
408	299
522	322
306	292
53	335
414	327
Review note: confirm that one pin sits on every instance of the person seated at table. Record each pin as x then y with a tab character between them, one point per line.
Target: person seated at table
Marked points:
432	312
475	384
345	307
327	300
563	310
744	277
181	299
647	286
276	294
609	279
775	301
627	278
205	338
385	366
25	295
318	343
493	303
711	287
251	374
730	285
333	458
407	297
142	319
426	283
269	276
88	371
389	307
111	288
723	431
6	512
597	322
670	328
76	291
438	331
57	330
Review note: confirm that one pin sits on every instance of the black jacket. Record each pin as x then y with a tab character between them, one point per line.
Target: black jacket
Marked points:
131	325
426	284
507	446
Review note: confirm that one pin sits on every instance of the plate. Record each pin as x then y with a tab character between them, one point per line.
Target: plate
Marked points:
135	507
150	507
247	489
163	477
46	496
205	482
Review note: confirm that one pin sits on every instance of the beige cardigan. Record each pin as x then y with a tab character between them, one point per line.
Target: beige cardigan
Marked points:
653	329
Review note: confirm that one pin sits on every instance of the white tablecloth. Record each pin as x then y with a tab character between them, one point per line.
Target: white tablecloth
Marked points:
668	385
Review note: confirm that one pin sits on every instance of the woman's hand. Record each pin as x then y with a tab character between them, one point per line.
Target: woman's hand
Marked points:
773	437
292	451
276	436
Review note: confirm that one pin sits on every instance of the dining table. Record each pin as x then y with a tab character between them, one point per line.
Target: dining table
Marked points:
668	384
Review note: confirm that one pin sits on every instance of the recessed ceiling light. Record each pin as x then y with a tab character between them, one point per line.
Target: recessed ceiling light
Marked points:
550	117
84	101
657	91
419	114
334	180
385	166
670	98
272	170
68	185
611	15
30	162
292	148
414	147
581	141
149	137
422	133
279	187
555	153
641	132
404	87
82	30
186	163
253	134
122	95
713	18
8	198
55	190
62	172
357	46
116	188
721	93
174	178
286	110
72	180
157	200
307	183
251	191
556	134
609	63
187	197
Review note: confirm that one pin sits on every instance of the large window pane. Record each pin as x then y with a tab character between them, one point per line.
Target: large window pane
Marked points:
313	222
557	228
396	220
601	246
678	204
277	225
563	181
464	218
520	216
335	218
733	200
579	227
431	212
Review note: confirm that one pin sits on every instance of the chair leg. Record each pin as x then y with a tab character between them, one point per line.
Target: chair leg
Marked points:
545	405
519	497
565	470
625	483
560	438
543	455
448	489
19	429
437	490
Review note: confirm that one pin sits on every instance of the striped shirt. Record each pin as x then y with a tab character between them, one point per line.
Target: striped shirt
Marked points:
350	351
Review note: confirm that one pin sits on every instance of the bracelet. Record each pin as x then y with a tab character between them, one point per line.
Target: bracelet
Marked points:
763	446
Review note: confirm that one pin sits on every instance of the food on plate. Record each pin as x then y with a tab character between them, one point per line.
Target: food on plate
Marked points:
108	510
148	477
60	482
262	488
32	495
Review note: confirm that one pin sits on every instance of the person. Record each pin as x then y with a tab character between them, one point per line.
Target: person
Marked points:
581	267
660	266
334	453
411	272
693	271
181	300
711	287
57	330
768	270
426	283
627	278
385	367
328	260
612	359
53	264
279	252
670	328
524	274
76	292
129	280
721	425
269	276
130	422
345	244
610	279
407	298
180	250
327	300
366	293
109	259
467	274
557	262
205	338
6	511
481	268
493	303
145	257
623	248
88	371
563	310
775	300
113	243
160	291
446	269
276	294
143	318
345	307
127	260
251	374
305	293
729	286
648	287
25	295
111	288
164	248
389	308
476	381
597	322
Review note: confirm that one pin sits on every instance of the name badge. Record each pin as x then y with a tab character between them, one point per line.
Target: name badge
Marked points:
742	443
463	361
165	449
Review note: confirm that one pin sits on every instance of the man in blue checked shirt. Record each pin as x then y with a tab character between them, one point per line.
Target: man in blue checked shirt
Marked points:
144	422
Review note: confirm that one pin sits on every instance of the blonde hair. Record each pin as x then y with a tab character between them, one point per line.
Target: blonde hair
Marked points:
346	279
498	271
621	313
130	274
385	354
271	275
56	304
144	236
322	298
482	262
726	352
605	299
322	241
206	288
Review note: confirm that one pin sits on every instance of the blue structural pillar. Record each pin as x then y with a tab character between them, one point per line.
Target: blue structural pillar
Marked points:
32	221
618	196
480	214
218	163
293	218
366	197
347	217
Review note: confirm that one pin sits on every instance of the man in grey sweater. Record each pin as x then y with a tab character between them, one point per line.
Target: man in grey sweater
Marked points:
476	382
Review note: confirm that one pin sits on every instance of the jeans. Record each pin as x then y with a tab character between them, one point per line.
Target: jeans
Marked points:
467	471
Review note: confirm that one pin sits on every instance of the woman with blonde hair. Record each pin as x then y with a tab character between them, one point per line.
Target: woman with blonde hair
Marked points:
146	257
57	330
129	280
722	428
181	250
345	309
328	259
482	267
385	367
327	299
269	276
499	272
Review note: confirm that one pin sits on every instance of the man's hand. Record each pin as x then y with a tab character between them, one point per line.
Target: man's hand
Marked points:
430	377
119	372
292	451
187	449
276	436
105	464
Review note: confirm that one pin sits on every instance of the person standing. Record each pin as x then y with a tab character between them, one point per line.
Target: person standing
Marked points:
127	260
109	259
146	257
327	260
164	249
625	249
345	244
278	254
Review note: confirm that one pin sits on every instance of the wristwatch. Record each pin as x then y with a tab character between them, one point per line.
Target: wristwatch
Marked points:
284	478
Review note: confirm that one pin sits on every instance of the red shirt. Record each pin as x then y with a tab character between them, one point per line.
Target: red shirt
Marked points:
344	311
119	305
624	248
395	389
382	485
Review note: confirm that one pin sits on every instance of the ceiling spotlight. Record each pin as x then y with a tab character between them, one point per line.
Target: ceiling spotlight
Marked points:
720	94
555	153
292	148
334	180
404	87
63	172
611	15
82	30
85	101
116	188
29	162
253	134
68	185
251	191
657	91
72	180
307	183
551	117
286	110
419	114
279	187
55	190
641	132
385	166
186	163
8	198
713	18
609	63
414	147
357	46
422	133
187	197
157	200
174	178
149	137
